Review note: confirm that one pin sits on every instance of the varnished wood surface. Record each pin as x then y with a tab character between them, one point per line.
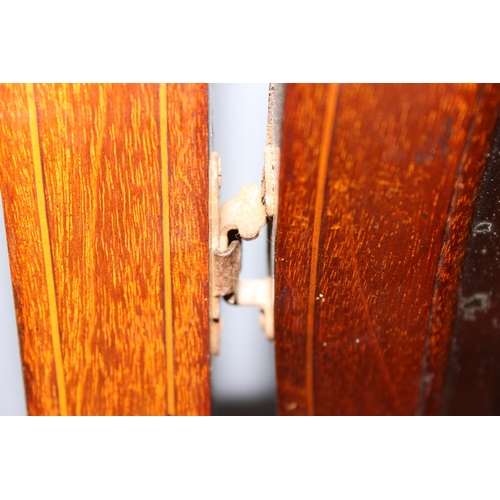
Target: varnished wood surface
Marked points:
104	190
376	195
26	255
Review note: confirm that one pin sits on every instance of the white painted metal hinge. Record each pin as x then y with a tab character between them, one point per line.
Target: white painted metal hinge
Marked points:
245	215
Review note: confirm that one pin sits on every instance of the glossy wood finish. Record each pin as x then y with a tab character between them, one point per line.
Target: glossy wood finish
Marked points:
376	196
105	199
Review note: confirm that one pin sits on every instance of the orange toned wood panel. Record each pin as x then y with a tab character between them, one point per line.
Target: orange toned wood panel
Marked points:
376	195
24	237
188	178
111	181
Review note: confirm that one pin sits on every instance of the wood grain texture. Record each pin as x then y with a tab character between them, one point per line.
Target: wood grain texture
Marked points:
188	168
29	278
117	161
404	162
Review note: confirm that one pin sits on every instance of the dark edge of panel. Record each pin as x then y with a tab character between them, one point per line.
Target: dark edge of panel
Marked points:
472	385
445	289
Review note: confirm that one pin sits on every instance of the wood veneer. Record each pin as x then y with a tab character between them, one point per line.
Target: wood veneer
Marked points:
377	190
105	198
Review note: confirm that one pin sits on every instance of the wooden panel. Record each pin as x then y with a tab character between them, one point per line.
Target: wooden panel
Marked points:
21	202
314	106
370	176
114	161
188	178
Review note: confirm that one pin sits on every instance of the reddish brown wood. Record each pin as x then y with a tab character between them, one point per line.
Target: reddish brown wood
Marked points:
113	306
401	160
304	119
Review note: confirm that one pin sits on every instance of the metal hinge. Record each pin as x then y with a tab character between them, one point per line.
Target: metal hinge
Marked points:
245	216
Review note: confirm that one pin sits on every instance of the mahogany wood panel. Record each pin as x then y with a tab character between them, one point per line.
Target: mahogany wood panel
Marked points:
104	191
376	195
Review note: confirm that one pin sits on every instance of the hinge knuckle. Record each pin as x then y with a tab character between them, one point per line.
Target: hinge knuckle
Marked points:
227	265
